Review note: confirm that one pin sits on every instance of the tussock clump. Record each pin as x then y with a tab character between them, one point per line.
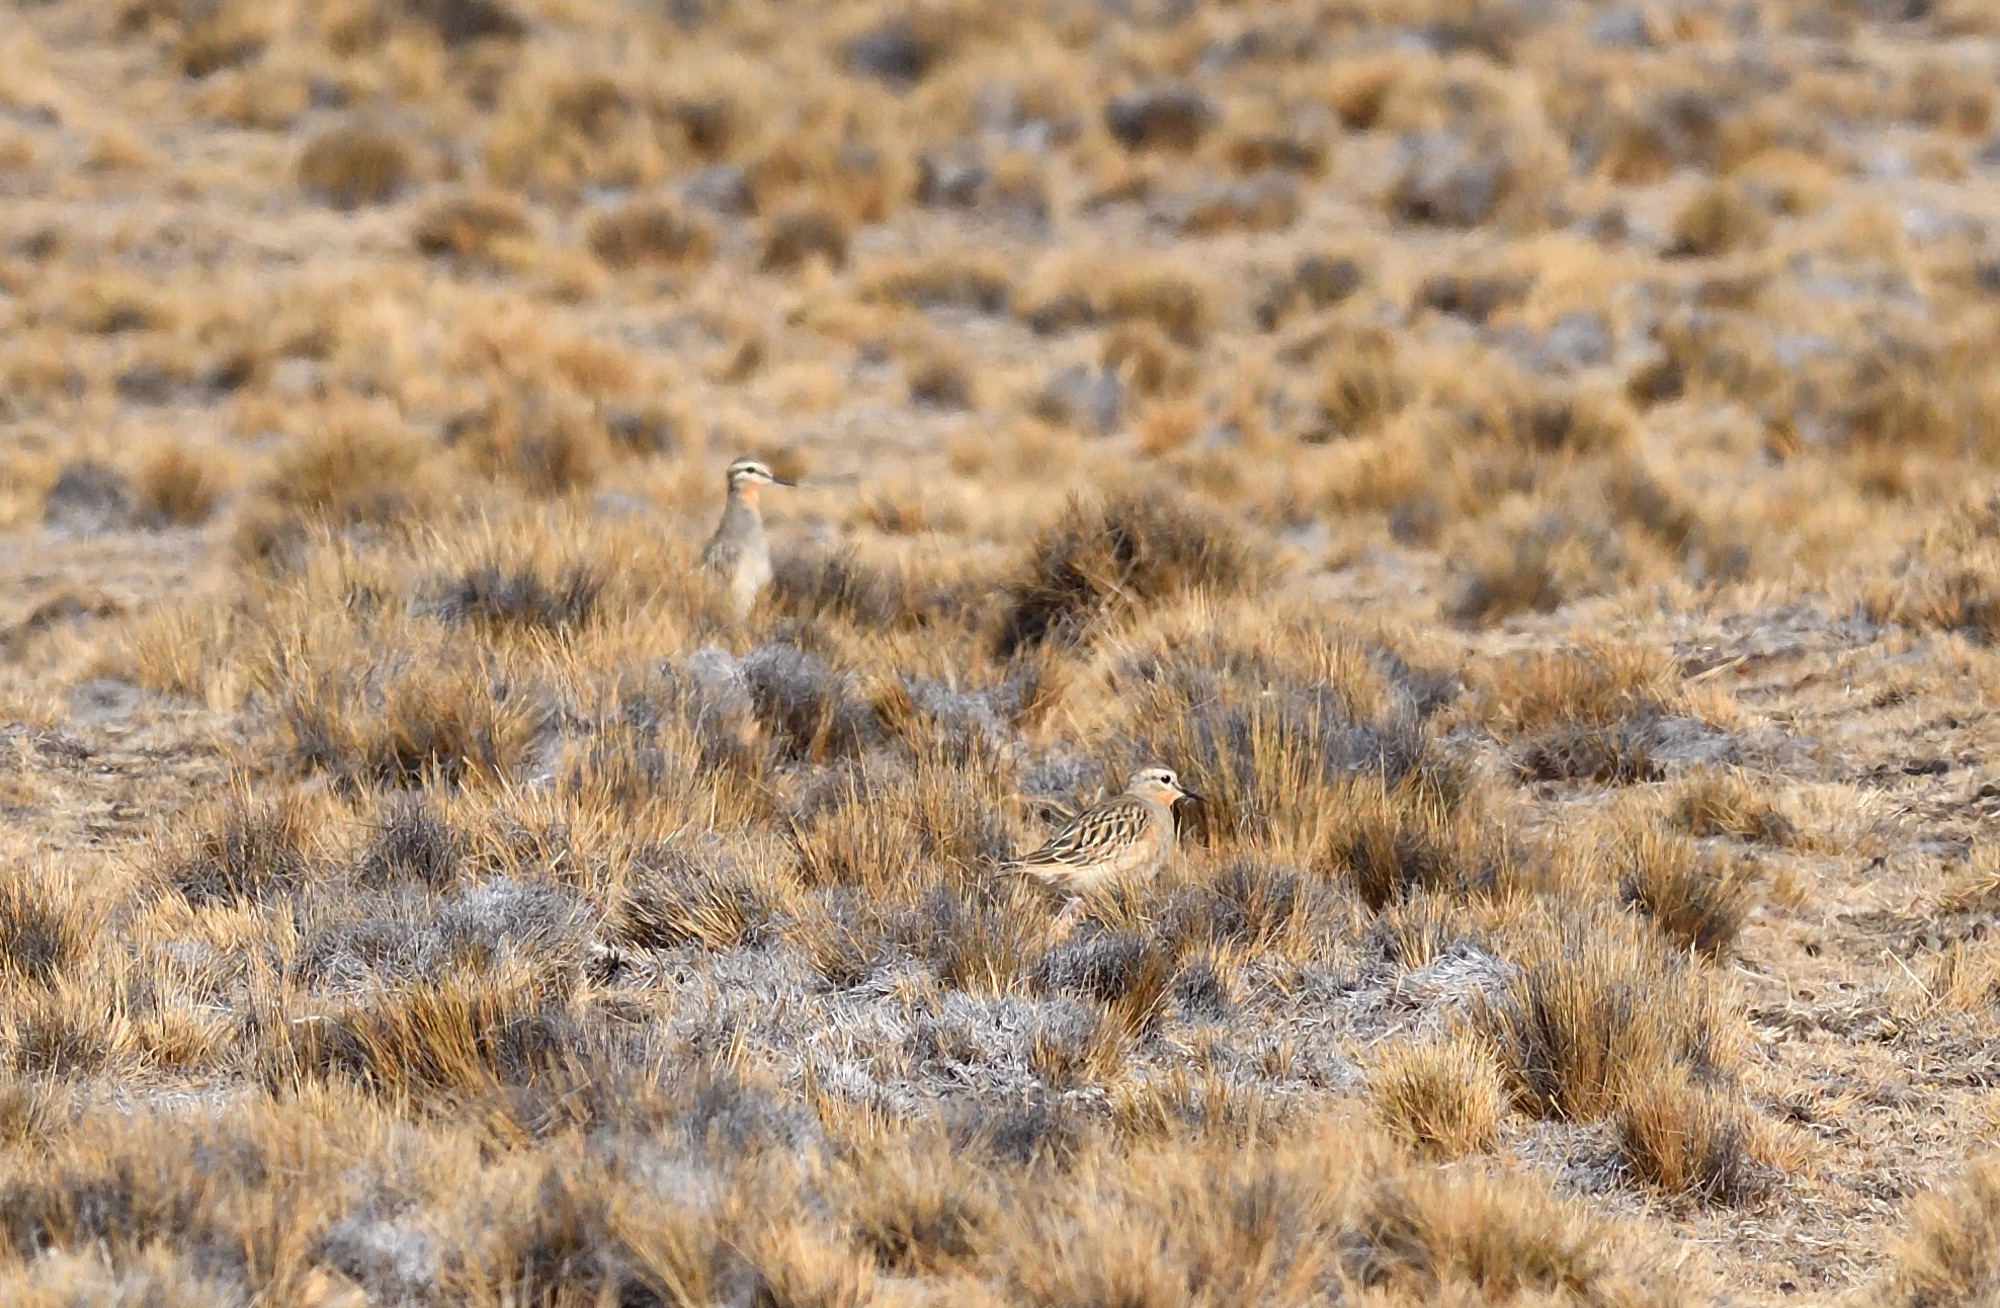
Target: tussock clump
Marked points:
1316	282
1943	585
942	380
1723	219
349	167
1584	714
462	1037
1711	802
548	443
423	723
351	474
1597	684
218	37
915	1207
88	497
1532	567
1119	968
650	234
1145	359
1272	730
1952	1252
1502	1240
148	1184
900	828
813	586
456	22
971	940
1441	1097
808	709
1476	297
902	49
175	486
490	230
494	597
1528	417
1596	1006
412	841
710	898
1269	202
1250	904
246	851
1714	351
1173	117
1363	384
1691	1139
1170	300
1103	557
1617	753
970	282
1453	180
798	235
1698	902
501	931
42	929
1395	841
1678	127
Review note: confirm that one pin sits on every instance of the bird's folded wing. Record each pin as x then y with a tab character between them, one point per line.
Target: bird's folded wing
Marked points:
1093	837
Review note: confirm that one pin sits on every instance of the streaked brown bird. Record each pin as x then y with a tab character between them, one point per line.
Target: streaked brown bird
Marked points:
1129	836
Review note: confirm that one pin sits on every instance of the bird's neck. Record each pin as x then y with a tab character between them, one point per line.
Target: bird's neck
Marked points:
741	511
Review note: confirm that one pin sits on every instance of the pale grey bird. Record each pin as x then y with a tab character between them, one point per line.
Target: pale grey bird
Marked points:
1129	836
737	556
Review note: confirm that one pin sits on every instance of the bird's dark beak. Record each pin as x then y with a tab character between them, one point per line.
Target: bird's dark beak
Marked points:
783	481
1190	795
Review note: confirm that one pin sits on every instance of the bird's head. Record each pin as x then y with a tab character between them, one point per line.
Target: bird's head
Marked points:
746	476
1159	784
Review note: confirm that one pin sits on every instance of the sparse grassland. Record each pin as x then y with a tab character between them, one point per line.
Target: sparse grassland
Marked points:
1533	465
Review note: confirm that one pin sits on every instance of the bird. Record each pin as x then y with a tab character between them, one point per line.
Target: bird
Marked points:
737	555
1127	836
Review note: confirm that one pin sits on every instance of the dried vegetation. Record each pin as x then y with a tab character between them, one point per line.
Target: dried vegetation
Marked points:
1528	465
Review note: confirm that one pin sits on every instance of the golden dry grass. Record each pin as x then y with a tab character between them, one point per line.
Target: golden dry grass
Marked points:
1529	466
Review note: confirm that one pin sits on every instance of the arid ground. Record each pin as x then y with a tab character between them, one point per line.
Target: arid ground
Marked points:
1531	464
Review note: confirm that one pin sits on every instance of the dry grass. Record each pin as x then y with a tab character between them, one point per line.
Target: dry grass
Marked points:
1441	1097
1949	1254
1529	467
348	167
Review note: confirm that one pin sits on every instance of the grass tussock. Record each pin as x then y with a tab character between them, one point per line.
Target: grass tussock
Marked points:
42	930
1393	842
1699	901
1722	219
1596	1009
804	234
244	850
1710	802
494	597
1587	713
355	473
426	723
348	167
1107	557
483	230
176	486
713	899
649	235
1567	598
1363	384
1691	1140
1441	1097
1949	1254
